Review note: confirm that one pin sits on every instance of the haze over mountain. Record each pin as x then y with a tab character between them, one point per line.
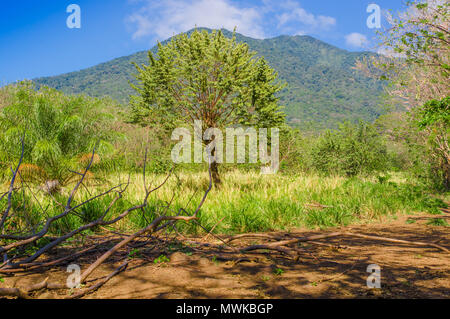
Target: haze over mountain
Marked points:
322	88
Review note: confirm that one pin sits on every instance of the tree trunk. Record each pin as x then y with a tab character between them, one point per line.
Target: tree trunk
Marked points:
215	169
215	174
446	173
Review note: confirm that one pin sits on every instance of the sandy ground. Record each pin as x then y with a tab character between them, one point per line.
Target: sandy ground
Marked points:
407	271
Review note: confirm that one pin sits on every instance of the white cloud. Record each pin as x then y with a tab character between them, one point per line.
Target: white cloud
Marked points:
143	25
296	16
163	19
356	40
171	17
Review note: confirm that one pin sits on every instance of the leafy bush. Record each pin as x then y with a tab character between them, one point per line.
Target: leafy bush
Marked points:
352	150
433	119
59	131
434	112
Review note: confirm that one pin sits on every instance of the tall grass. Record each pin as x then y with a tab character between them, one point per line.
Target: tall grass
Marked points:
246	202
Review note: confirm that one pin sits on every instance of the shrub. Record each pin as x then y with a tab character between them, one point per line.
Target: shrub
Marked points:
58	131
433	119
352	150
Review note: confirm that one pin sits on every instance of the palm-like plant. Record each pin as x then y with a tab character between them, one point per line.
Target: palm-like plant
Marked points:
58	129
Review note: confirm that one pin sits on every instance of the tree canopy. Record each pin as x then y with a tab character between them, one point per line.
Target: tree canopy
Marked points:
208	77
418	68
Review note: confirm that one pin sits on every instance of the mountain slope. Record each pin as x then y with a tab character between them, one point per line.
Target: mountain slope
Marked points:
322	90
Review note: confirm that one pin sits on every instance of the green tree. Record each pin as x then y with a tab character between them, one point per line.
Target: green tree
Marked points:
208	77
418	68
434	118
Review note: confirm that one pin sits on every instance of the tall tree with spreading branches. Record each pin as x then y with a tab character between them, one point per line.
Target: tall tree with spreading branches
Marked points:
417	66
209	77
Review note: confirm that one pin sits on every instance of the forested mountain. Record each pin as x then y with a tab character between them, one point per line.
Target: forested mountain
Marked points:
322	88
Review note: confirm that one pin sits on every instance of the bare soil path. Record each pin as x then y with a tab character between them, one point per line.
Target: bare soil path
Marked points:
337	269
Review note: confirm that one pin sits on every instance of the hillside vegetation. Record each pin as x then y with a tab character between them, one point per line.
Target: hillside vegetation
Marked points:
322	88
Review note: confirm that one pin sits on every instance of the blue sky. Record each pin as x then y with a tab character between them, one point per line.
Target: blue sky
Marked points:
35	40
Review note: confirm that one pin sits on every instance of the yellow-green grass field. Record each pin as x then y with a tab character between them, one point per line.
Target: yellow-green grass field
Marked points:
246	201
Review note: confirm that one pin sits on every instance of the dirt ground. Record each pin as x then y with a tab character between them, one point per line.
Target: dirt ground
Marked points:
407	271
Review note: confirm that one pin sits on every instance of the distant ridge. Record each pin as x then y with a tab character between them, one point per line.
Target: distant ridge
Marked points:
322	90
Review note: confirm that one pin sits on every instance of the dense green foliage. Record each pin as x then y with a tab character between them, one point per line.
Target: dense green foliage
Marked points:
352	150
322	90
410	145
208	77
435	112
434	119
58	131
420	79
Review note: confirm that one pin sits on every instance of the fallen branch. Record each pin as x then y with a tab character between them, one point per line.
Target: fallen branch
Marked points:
13	292
417	243
276	244
34	266
23	293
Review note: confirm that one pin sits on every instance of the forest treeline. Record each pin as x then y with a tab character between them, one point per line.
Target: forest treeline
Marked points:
59	130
